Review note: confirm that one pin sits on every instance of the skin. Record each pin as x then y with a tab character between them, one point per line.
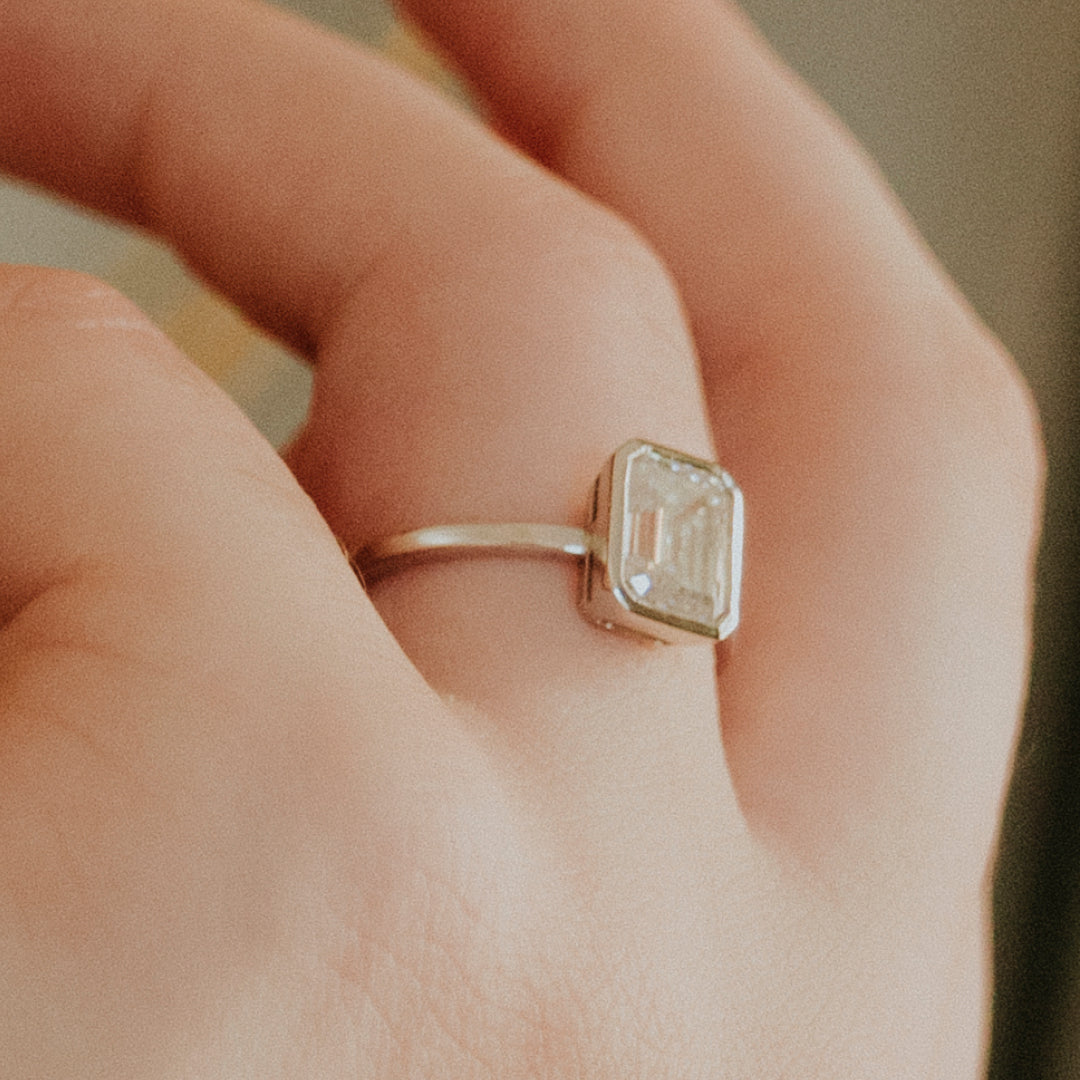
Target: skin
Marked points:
257	823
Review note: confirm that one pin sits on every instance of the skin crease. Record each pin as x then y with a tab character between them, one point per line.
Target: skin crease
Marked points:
257	823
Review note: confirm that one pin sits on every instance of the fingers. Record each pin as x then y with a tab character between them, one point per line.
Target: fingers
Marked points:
331	197
484	336
884	446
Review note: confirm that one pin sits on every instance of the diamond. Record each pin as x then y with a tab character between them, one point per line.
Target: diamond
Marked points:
674	535
689	539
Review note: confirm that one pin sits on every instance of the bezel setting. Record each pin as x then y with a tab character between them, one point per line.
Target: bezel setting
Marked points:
666	558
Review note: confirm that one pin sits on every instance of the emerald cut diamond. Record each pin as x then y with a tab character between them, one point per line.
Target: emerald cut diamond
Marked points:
672	529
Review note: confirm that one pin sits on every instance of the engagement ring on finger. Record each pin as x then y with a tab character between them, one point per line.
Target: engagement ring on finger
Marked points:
662	550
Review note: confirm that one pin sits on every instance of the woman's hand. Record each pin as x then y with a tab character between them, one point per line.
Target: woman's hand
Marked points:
255	823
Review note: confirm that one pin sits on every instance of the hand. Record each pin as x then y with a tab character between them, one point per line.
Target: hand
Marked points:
255	823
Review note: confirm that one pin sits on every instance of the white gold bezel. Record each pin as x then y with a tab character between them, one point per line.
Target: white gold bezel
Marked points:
615	597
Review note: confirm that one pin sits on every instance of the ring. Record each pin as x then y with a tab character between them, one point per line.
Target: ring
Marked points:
662	550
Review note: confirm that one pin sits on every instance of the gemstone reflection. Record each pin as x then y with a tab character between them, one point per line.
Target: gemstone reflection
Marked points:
677	534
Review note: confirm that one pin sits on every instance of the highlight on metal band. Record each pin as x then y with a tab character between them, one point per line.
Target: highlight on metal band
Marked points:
451	541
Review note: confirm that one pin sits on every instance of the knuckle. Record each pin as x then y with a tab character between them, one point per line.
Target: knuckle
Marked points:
601	275
557	245
597	249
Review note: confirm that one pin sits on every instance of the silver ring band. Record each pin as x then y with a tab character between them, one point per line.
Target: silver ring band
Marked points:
394	553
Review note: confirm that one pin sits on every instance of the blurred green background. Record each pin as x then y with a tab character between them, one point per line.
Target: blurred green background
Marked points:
972	109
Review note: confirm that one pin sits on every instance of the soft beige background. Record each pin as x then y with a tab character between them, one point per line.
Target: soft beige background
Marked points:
972	108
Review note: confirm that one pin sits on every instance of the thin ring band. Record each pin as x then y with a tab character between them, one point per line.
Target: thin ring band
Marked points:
445	541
